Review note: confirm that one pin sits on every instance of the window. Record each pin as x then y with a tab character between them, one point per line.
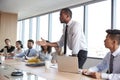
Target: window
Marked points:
25	35
117	14
78	14
57	27
33	30
99	19
44	27
19	30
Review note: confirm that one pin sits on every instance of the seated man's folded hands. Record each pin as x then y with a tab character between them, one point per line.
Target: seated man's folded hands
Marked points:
96	75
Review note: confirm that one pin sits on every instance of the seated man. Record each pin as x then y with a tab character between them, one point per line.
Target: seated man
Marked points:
110	61
30	52
8	48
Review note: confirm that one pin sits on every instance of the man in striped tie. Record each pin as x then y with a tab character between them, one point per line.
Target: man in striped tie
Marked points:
110	61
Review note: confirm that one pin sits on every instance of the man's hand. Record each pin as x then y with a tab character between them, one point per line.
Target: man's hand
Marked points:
42	43
96	75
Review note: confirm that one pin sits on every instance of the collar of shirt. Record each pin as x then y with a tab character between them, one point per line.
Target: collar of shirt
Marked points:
117	52
31	49
69	23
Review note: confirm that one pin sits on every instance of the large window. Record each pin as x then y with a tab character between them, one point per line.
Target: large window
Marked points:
19	30
99	19
117	14
33	34
25	35
57	27
32	31
78	14
44	26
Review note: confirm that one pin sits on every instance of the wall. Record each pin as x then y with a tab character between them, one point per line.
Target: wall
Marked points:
8	27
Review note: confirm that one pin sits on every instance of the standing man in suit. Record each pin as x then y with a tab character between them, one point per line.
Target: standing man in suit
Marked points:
75	39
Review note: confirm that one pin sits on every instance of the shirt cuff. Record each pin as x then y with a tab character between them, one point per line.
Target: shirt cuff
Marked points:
93	69
105	76
59	44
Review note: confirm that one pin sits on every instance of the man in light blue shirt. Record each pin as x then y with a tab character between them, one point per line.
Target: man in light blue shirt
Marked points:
110	61
30	52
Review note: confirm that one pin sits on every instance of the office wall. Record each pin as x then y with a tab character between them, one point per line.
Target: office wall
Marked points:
8	27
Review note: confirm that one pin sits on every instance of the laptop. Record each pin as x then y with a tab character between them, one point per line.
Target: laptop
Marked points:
68	64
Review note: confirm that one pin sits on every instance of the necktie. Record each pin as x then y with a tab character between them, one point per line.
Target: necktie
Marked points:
28	52
65	40
111	64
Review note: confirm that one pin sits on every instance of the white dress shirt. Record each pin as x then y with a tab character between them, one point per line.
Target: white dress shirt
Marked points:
44	56
115	75
18	51
75	38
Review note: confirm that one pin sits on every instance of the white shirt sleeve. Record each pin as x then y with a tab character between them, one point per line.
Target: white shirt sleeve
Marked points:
105	75
110	76
61	41
78	39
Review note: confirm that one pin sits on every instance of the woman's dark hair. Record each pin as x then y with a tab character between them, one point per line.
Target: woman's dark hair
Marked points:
49	48
21	45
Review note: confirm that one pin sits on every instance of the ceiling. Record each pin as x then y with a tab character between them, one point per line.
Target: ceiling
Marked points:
30	8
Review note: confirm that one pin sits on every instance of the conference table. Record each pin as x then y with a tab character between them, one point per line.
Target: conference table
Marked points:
35	73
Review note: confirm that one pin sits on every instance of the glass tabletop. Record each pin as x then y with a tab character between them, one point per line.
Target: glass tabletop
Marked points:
6	71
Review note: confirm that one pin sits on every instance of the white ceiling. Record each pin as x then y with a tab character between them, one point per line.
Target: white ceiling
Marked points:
30	8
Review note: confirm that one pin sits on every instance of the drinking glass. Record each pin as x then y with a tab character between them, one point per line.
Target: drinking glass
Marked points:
2	59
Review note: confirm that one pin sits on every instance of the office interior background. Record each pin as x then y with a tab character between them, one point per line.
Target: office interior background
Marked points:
94	15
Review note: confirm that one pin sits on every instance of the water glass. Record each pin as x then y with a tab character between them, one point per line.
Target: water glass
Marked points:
2	59
47	64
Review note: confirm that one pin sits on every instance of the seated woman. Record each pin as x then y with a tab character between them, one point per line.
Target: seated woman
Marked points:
45	53
19	48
